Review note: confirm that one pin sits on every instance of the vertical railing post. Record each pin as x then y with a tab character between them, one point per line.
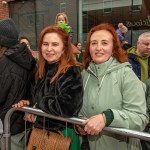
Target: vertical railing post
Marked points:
6	133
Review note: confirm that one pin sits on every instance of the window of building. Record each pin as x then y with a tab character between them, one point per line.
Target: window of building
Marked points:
135	5
39	19
30	20
62	7
107	5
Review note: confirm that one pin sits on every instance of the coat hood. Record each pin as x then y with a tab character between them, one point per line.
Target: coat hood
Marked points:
132	51
109	66
21	56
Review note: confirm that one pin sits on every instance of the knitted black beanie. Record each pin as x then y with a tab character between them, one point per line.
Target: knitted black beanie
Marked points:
8	33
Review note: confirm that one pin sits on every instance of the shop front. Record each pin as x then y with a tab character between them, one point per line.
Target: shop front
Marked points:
31	16
135	14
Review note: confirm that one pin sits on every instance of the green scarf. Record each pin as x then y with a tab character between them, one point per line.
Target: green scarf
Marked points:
144	68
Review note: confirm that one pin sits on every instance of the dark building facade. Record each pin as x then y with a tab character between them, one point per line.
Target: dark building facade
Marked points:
135	14
31	16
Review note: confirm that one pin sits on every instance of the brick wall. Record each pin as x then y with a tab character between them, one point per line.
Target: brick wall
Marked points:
3	9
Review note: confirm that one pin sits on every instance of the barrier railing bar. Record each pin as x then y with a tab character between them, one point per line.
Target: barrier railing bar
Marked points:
121	131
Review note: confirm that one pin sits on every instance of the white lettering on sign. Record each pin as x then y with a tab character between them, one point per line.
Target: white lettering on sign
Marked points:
144	22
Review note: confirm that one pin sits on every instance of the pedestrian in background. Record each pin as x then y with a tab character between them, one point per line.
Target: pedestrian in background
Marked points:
62	18
27	42
121	31
17	68
139	57
79	56
146	144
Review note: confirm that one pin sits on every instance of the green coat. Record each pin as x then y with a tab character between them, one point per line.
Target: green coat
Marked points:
113	85
79	57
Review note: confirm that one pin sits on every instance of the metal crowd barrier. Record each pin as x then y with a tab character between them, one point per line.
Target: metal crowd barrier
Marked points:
78	121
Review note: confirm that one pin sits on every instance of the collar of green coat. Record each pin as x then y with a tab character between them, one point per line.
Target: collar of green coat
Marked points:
109	66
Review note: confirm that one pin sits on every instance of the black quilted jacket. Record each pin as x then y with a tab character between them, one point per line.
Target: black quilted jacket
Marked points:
17	67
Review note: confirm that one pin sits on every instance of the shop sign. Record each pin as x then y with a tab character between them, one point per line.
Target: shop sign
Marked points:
140	23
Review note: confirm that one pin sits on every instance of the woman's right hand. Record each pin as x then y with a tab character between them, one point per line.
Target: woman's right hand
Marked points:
21	104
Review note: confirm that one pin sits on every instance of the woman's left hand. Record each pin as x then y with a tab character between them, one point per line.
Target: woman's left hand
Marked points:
21	103
94	125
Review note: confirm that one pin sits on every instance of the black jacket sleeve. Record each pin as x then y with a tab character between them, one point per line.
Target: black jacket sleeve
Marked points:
66	99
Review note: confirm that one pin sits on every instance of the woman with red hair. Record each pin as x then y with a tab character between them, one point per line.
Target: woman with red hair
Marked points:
113	95
59	84
58	88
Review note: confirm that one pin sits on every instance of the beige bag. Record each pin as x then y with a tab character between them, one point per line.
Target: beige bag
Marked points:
41	139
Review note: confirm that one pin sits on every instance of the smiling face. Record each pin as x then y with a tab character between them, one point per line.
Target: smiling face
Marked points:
101	46
52	47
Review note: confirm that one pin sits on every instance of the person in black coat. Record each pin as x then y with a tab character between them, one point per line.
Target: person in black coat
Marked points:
17	67
58	90
146	144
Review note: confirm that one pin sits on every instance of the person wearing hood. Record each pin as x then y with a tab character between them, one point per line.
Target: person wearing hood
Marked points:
109	92
27	41
16	71
139	57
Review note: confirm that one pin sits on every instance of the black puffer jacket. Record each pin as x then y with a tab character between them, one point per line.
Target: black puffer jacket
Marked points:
17	67
62	98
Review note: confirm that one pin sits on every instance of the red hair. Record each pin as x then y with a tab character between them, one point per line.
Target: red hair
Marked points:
117	51
67	59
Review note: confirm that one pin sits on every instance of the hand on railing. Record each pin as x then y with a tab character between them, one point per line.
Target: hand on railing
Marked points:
80	130
77	121
94	125
30	117
21	104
